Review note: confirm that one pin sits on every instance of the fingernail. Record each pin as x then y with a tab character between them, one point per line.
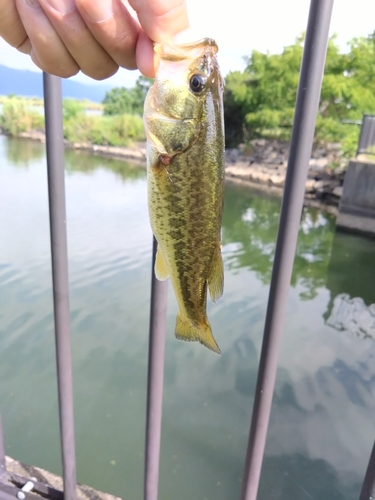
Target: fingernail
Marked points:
99	11
62	6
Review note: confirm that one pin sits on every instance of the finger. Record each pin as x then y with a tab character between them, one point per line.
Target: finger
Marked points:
11	27
90	56
161	20
113	27
145	55
47	49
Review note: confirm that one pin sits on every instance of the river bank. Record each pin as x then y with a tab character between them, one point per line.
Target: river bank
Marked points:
262	164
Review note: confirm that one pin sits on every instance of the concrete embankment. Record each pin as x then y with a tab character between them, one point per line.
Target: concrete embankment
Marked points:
264	163
357	206
260	164
17	474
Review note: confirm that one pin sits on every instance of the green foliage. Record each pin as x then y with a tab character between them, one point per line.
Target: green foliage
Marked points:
104	130
121	100
119	130
117	101
235	106
17	118
264	95
72	109
260	101
139	93
349	143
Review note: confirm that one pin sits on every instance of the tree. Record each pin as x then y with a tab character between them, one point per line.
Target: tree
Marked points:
118	101
139	93
121	100
236	104
260	101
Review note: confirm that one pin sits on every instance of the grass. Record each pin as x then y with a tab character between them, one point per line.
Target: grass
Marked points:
19	115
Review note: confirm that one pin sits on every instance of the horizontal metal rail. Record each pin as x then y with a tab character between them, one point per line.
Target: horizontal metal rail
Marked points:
309	87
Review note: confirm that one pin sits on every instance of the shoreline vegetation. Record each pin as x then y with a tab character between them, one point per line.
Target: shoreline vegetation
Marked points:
262	169
258	110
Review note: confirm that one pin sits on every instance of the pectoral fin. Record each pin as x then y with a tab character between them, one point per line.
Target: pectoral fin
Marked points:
216	279
161	270
186	330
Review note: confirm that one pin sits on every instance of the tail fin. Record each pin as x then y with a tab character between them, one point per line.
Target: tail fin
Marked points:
186	330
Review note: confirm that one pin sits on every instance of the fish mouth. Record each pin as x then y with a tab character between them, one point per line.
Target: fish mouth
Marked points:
179	52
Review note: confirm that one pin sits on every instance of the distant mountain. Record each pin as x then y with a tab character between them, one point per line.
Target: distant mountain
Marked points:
30	84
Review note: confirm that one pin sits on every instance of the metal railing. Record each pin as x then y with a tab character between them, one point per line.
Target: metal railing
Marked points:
309	88
366	144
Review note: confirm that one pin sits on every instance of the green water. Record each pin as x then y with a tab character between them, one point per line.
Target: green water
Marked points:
323	419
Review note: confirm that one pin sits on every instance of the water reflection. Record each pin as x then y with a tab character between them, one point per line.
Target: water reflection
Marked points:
322	423
352	267
250	226
351	279
294	477
86	162
352	315
22	152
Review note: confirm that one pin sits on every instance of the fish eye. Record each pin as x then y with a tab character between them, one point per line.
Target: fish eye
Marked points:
197	83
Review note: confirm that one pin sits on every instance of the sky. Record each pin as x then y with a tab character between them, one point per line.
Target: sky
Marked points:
239	26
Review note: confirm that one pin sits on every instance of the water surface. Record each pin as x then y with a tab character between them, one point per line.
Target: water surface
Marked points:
322	424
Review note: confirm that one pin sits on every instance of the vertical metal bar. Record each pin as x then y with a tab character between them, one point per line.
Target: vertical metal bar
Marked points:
158	319
368	487
361	135
372	130
366	134
2	452
59	254
307	102
369	133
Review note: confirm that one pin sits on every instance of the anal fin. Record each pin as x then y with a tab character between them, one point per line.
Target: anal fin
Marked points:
216	279
161	270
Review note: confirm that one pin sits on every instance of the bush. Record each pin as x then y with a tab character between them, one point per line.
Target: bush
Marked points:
17	118
72	108
105	130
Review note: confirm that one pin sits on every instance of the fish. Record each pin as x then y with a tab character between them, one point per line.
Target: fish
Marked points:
184	125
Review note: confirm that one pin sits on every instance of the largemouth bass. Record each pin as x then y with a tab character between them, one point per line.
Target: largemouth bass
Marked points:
184	125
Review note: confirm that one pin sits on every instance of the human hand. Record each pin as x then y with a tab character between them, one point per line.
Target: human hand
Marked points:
94	36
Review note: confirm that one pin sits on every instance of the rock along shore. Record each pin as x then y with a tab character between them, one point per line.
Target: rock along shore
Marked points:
262	164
